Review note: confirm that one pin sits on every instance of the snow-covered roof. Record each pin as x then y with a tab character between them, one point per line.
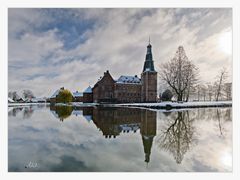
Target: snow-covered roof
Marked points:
88	90
10	100
76	112
77	94
54	114
129	79
130	127
88	117
37	99
55	94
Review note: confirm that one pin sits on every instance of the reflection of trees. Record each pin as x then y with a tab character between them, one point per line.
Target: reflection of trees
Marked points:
177	136
222	115
219	122
27	111
63	112
14	111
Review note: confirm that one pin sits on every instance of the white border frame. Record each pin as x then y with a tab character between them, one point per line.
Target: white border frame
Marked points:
5	4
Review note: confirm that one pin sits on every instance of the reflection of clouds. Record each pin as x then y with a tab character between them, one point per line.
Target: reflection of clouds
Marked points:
77	145
26	111
208	153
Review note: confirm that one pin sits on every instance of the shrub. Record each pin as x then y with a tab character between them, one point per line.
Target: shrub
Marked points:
167	95
64	96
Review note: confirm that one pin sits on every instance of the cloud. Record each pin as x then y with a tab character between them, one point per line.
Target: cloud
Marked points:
80	144
49	48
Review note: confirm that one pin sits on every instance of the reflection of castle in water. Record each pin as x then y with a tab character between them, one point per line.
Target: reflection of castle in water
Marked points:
114	121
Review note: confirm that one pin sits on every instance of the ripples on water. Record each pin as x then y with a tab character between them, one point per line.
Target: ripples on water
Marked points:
43	138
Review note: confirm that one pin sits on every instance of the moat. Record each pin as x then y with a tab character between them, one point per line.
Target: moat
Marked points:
64	138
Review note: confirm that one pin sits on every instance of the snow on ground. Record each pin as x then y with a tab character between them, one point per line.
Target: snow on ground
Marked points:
163	105
25	104
77	104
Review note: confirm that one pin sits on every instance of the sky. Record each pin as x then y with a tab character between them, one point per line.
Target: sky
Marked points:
71	48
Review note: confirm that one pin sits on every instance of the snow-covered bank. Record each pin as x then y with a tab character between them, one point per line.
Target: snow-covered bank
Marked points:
176	105
26	104
162	105
77	104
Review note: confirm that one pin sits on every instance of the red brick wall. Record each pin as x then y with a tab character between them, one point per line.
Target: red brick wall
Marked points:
104	89
127	92
149	86
87	97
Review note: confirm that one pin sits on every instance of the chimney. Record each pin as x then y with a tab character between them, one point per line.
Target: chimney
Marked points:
105	73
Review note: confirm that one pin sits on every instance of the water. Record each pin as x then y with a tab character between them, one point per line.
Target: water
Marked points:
43	138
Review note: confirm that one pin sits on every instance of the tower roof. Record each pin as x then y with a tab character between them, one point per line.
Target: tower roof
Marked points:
148	64
88	90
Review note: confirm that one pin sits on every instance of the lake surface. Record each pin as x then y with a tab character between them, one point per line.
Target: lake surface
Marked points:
63	139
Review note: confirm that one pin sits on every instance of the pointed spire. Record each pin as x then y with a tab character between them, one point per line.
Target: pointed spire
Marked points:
149	40
148	65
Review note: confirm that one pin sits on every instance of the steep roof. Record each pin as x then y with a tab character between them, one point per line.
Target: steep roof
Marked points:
106	76
55	94
148	64
129	80
88	90
77	94
88	117
10	100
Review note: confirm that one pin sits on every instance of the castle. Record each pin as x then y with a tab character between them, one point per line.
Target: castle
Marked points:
126	89
129	88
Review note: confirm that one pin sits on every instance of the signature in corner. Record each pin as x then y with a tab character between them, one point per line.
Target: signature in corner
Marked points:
32	165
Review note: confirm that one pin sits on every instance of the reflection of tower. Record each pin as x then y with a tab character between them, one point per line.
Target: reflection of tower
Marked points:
147	143
149	78
114	121
148	131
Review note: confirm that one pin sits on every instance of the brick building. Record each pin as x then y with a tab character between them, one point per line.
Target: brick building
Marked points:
129	88
77	96
103	90
126	89
88	95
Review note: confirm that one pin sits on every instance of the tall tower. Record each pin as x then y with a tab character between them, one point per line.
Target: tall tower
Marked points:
149	78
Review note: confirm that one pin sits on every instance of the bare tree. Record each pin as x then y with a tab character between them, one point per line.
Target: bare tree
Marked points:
27	94
210	91
13	95
227	90
201	92
221	78
204	92
180	74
